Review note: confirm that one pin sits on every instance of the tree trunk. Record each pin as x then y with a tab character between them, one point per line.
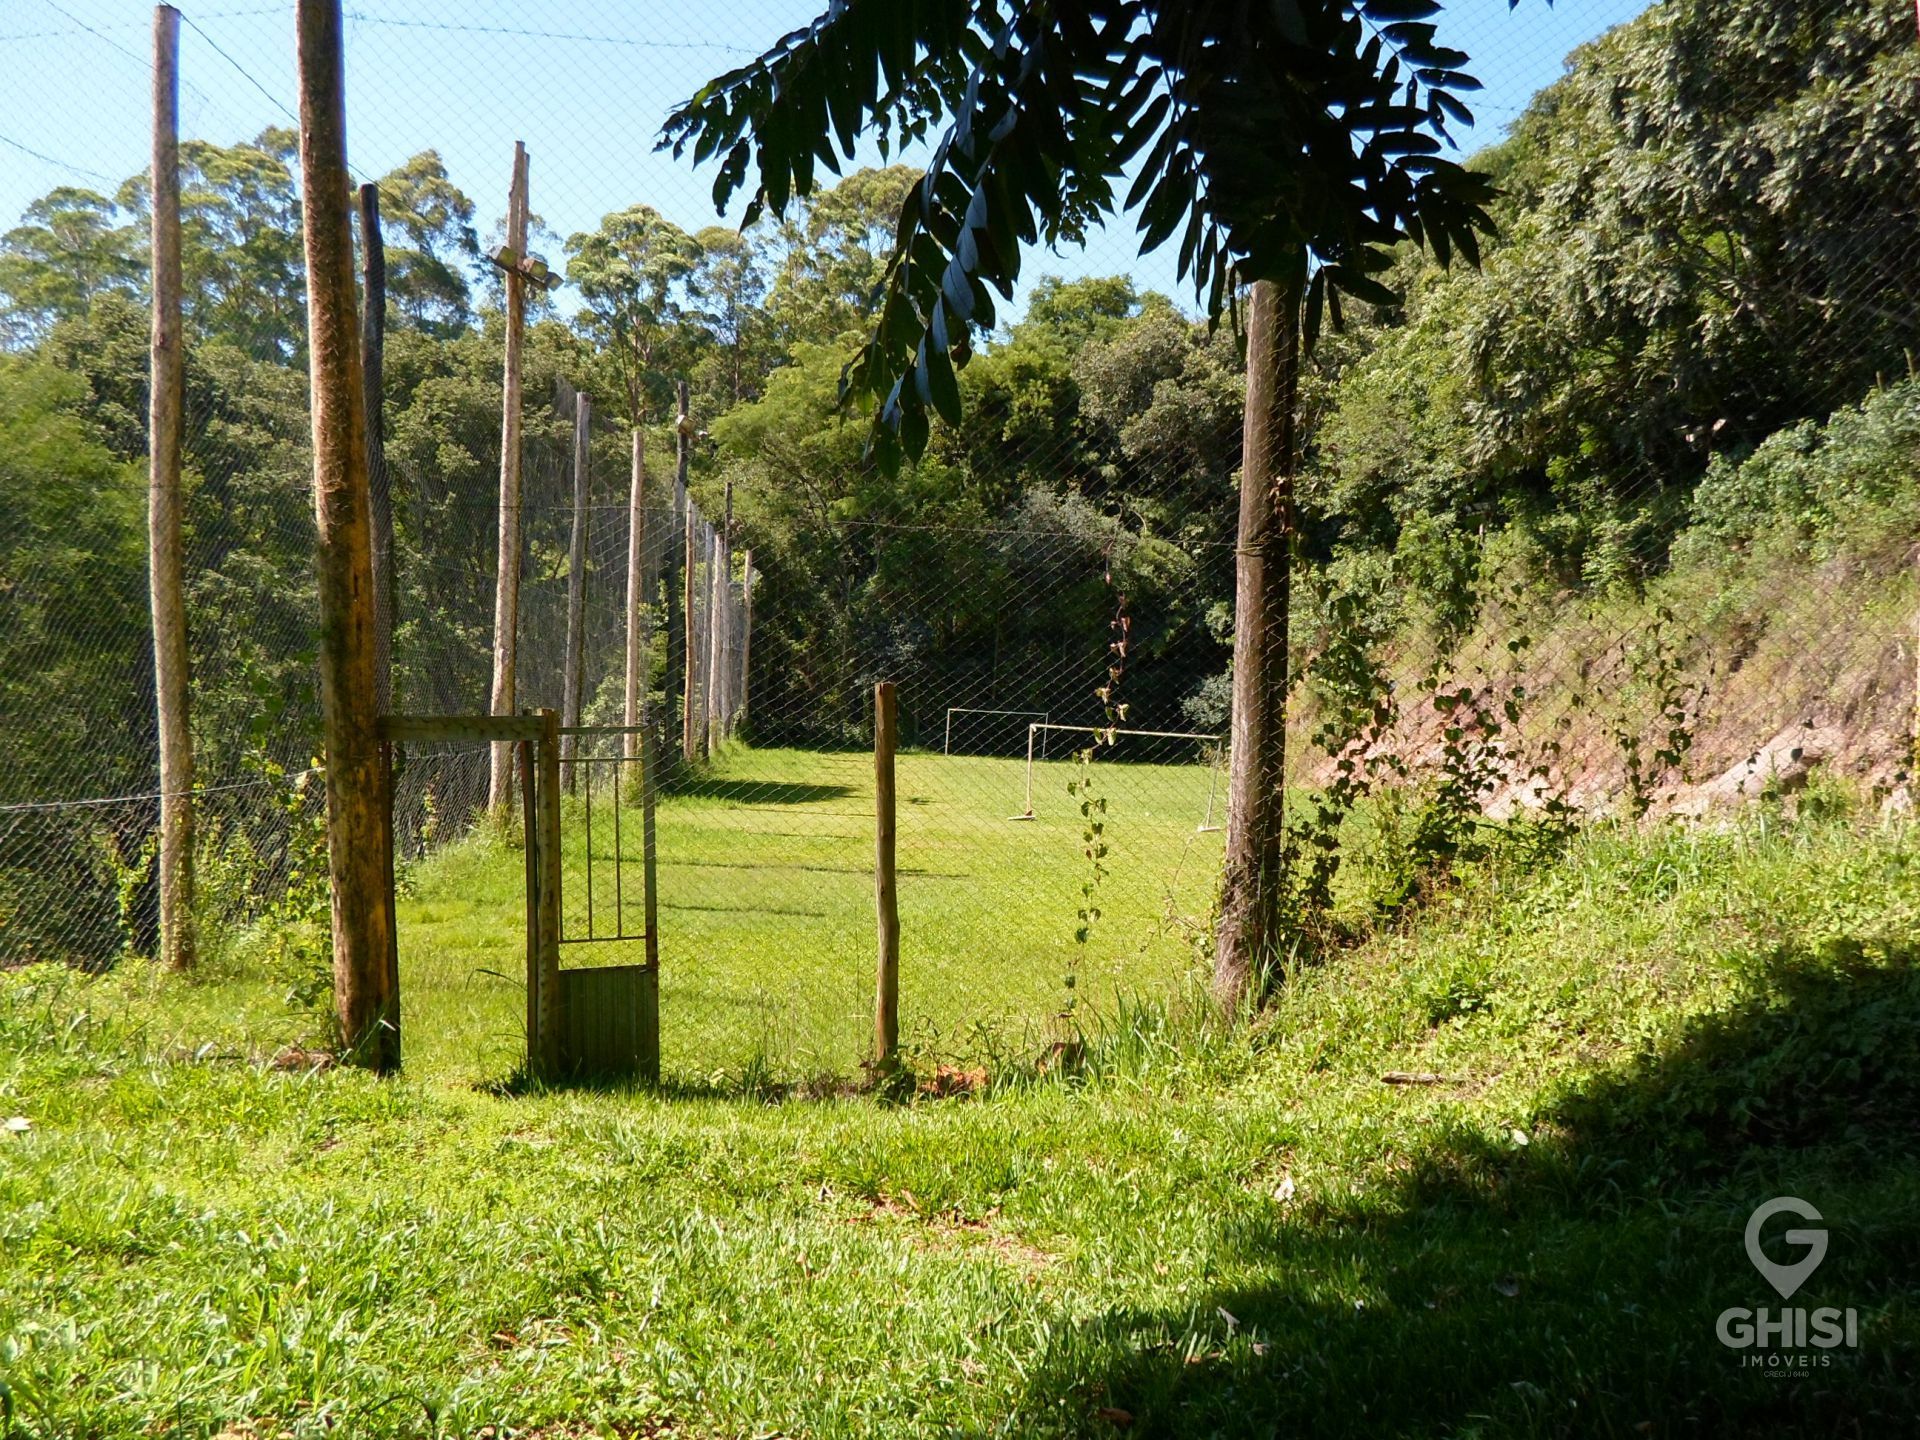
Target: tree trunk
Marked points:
373	349
576	590
638	652
166	565
506	583
358	836
1254	881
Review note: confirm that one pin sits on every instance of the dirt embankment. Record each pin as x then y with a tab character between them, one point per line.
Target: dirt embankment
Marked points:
1761	677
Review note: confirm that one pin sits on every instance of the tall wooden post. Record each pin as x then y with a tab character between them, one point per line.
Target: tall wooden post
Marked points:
358	835
373	350
717	597
639	653
575	659
506	589
1247	939
691	733
886	998
373	385
746	631
672	549
165	563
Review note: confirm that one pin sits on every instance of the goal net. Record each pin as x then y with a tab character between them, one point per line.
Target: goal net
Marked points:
1161	774
975	730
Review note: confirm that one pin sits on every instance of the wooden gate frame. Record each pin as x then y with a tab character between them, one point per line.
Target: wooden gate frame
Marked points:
536	739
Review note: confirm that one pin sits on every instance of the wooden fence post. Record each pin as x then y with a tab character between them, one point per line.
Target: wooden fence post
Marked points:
506	584
546	1023
359	861
639	655
717	597
574	660
691	733
165	564
886	1000
373	350
650	898
746	632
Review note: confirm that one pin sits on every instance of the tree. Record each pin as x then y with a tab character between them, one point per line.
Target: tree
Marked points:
728	285
240	242
1289	145
73	654
67	249
834	274
631	273
1704	237
428	224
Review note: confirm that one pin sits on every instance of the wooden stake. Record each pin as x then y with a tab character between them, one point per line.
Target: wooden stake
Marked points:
358	834
506	592
649	853
886	1000
373	350
638	652
165	563
723	622
576	591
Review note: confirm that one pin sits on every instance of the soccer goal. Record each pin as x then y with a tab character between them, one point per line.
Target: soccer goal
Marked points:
1160	748
992	723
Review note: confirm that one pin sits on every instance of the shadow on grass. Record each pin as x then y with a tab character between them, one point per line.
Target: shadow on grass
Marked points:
1570	1285
757	792
752	908
865	871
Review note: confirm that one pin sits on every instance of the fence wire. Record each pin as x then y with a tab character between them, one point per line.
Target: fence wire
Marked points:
1622	522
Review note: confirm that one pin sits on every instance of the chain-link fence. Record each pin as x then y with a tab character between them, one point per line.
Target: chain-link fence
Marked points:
1620	522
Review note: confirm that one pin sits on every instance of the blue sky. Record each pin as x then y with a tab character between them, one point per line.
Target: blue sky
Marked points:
585	85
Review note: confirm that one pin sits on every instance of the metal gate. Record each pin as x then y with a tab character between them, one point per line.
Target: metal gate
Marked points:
599	1020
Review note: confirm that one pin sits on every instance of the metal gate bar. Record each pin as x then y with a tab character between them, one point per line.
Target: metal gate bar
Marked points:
620	930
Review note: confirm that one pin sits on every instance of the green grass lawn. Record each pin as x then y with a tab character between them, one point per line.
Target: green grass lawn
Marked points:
1209	1231
767	912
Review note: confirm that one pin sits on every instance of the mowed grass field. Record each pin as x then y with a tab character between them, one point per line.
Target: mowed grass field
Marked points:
767	931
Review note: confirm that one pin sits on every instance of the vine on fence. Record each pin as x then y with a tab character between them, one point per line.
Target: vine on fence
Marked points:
1655	664
1479	746
1093	805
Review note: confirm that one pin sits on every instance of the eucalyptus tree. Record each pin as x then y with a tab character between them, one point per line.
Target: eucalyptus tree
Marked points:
431	247
1286	145
728	285
69	247
631	273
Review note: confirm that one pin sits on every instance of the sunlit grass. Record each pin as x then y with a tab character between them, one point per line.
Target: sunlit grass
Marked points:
767	930
1203	1230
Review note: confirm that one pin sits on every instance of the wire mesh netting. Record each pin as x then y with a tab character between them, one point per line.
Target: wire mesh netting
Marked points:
1618	523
